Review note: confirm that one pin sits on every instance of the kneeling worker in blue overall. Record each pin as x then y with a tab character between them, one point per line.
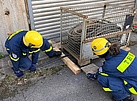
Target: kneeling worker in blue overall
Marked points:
118	74
21	44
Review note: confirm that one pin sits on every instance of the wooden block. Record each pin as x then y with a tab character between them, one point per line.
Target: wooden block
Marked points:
71	65
91	68
75	69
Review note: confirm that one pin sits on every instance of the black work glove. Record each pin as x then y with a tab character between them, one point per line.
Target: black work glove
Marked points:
57	53
91	76
18	73
32	68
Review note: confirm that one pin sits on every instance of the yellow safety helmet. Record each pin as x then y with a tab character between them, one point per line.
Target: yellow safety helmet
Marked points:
33	39
100	46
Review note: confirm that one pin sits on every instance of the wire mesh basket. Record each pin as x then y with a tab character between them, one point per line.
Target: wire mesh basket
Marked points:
80	25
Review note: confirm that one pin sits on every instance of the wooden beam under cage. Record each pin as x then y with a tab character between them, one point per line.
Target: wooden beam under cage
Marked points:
74	68
87	69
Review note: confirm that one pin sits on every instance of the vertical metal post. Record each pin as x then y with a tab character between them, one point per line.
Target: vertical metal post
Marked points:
61	27
135	3
128	39
104	11
134	12
31	18
83	36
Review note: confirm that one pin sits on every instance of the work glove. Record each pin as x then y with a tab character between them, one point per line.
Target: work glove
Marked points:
32	68
56	53
18	73
91	76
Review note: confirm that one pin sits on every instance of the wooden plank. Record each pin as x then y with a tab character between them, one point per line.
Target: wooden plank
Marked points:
72	66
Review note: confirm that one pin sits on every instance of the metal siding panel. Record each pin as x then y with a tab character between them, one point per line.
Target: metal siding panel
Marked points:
45	14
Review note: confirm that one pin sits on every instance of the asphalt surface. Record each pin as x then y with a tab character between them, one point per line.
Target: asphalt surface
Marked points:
65	86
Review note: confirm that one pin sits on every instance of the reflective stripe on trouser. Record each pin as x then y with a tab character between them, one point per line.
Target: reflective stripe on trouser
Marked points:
129	87
114	85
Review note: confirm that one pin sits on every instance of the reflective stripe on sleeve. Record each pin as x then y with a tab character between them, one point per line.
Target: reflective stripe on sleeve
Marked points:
125	82
126	62
104	74
14	58
24	53
7	49
48	50
107	89
34	51
14	34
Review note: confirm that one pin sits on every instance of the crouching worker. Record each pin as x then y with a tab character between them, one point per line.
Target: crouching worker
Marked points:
21	44
118	75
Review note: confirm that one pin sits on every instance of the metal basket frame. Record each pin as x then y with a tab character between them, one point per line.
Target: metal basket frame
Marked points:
75	15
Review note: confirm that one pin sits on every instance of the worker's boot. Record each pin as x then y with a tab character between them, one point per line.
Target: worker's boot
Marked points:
128	98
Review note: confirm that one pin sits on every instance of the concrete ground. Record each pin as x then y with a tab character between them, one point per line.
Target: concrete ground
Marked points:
63	85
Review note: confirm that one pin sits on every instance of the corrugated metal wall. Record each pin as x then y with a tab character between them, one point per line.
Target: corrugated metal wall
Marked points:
45	14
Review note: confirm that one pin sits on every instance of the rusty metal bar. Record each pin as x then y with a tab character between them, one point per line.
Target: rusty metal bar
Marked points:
108	36
75	13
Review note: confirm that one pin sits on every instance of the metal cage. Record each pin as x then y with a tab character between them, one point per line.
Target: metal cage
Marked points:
80	25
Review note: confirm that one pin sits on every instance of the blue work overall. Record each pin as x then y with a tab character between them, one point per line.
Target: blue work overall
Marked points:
19	53
119	75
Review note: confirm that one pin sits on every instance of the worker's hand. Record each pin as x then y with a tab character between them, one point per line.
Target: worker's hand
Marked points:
91	76
32	68
100	69
18	73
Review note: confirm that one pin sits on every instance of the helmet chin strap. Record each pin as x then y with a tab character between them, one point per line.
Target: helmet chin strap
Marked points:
30	45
